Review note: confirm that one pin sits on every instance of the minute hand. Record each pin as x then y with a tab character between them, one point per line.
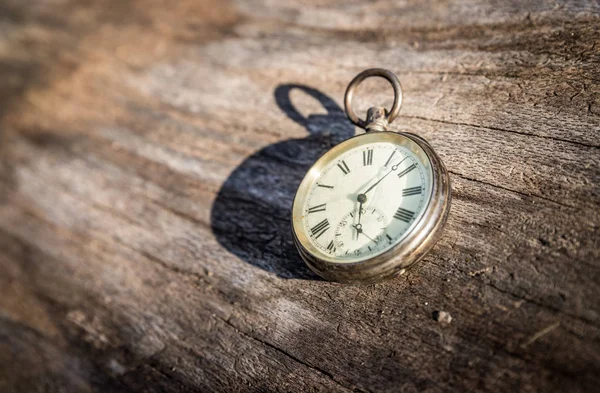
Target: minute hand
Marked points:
390	171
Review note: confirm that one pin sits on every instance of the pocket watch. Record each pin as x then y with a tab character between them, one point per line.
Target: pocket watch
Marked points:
376	203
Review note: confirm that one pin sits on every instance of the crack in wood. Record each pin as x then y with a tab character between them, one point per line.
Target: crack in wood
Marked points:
482	127
510	190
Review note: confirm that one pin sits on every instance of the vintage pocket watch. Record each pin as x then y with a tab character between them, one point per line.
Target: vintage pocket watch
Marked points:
373	205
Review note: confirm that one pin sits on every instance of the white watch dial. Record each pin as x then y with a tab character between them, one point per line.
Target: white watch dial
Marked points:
366	200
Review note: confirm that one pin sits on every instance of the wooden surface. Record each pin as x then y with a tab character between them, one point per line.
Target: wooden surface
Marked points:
149	152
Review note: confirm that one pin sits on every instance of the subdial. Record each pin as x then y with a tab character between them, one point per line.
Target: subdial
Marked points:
361	234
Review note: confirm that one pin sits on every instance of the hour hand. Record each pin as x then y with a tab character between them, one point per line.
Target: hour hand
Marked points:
361	198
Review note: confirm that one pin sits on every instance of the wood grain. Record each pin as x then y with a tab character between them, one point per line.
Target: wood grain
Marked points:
150	151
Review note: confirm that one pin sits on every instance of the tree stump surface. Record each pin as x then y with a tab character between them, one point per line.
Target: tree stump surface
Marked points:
150	151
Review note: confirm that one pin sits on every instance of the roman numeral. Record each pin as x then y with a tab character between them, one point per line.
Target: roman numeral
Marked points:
390	159
367	157
410	168
318	208
320	228
331	247
389	237
404	215
324	186
344	167
412	191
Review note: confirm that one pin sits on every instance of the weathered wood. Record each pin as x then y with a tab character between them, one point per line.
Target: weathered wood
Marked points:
149	154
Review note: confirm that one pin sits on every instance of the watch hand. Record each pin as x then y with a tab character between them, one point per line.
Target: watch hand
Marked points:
361	201
361	198
369	237
356	227
363	195
359	230
379	181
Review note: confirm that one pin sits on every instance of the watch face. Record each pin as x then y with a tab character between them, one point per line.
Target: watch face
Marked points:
363	197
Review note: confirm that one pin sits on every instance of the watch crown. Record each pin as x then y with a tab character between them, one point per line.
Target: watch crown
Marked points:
376	119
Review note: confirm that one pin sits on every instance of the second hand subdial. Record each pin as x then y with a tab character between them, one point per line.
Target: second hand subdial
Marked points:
360	238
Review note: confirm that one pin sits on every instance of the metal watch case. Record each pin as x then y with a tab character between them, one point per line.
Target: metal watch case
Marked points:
403	255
